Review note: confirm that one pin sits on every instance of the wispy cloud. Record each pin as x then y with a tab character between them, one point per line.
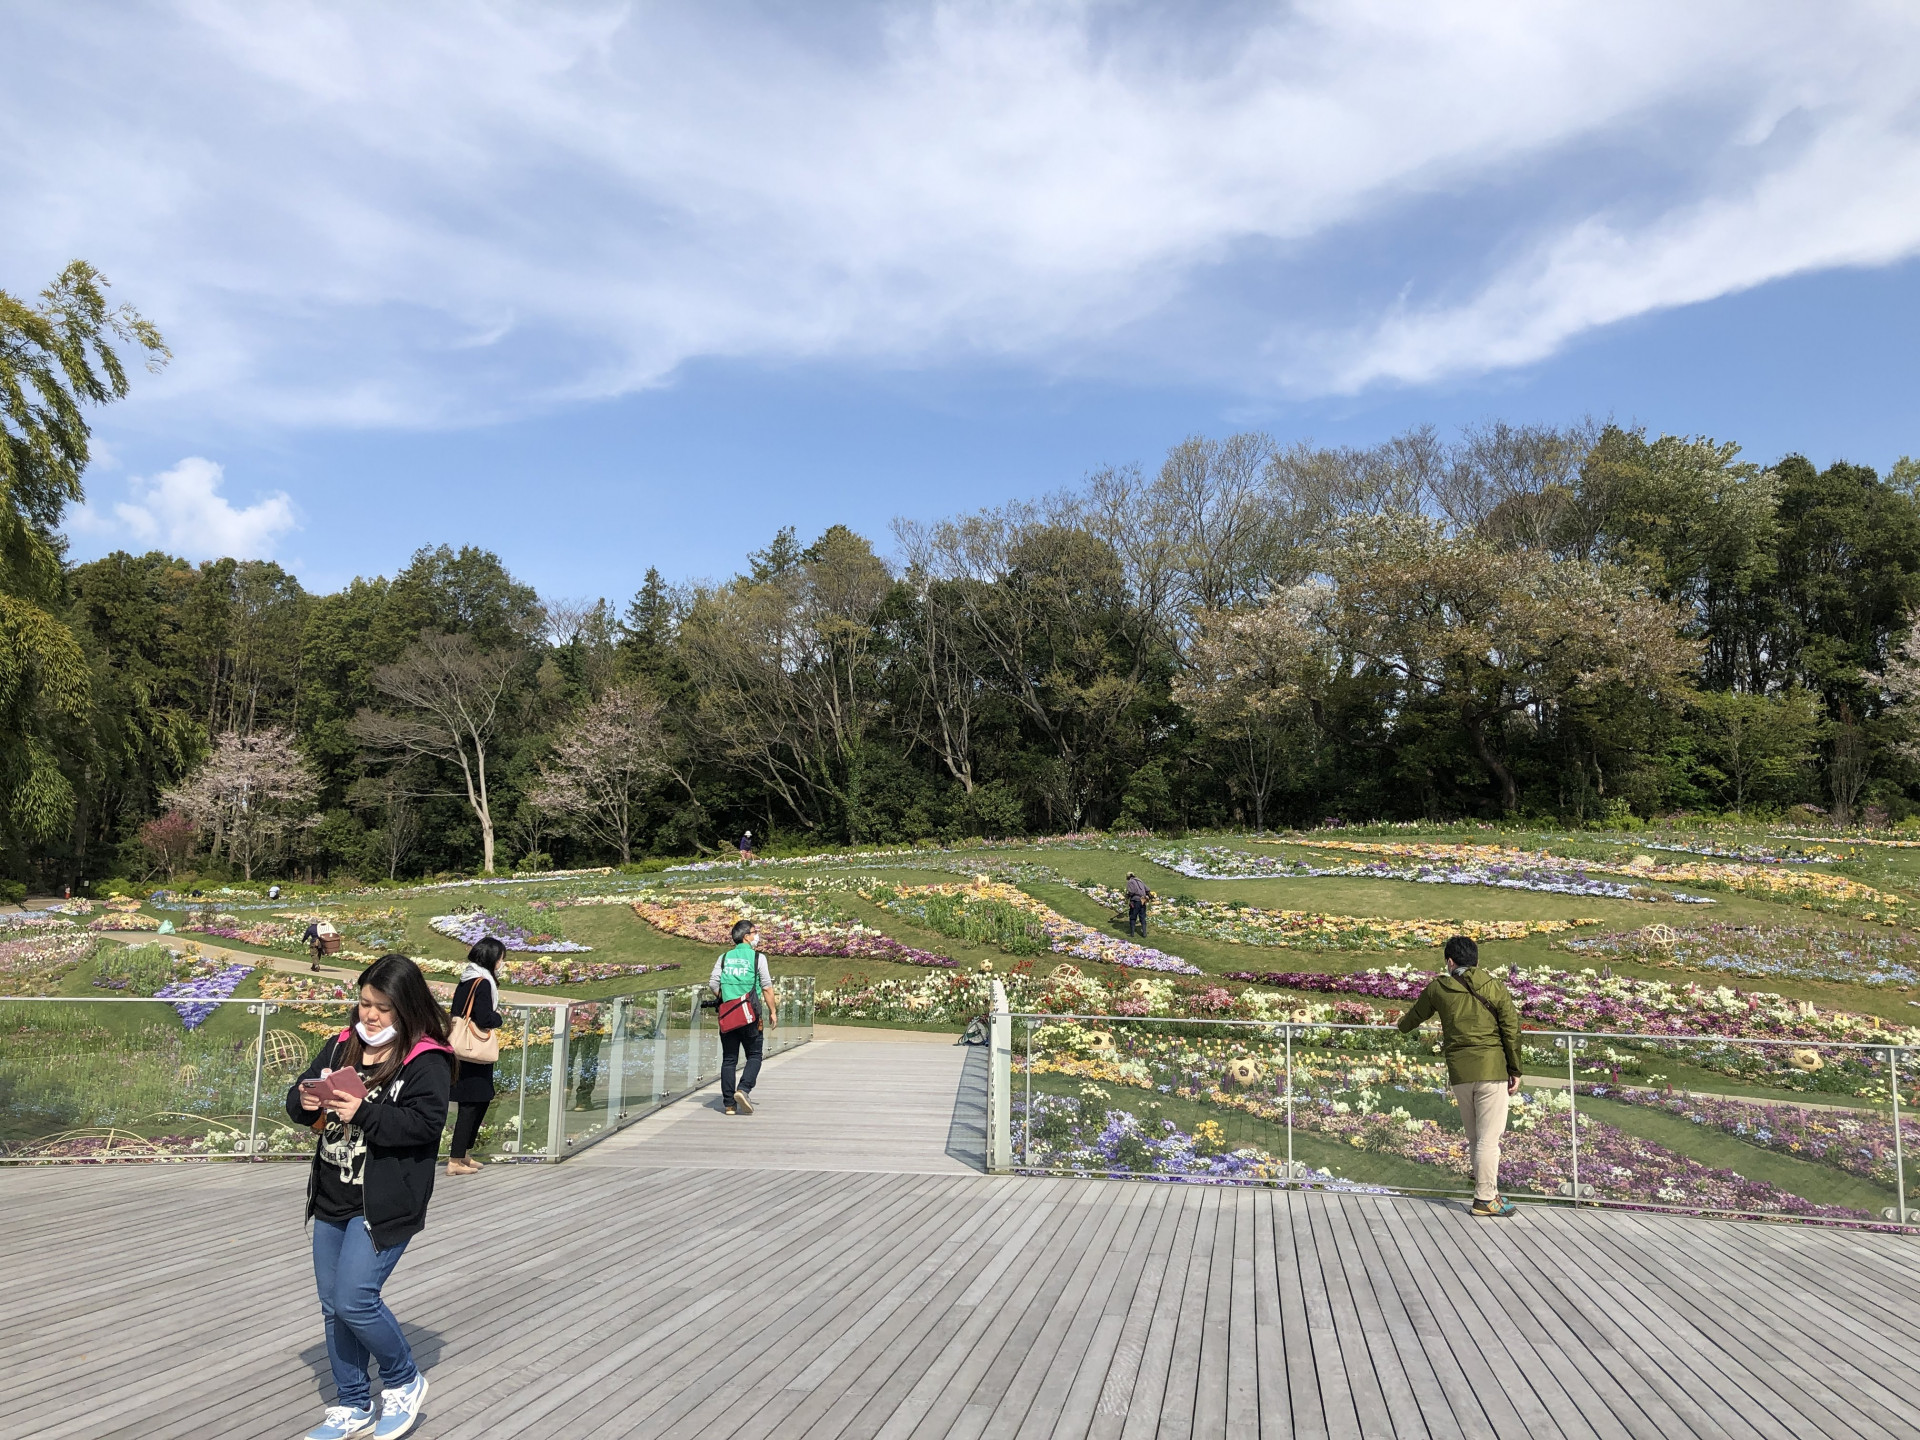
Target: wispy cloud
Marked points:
440	212
182	511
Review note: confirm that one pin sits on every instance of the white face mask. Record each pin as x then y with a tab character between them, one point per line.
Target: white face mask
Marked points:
374	1038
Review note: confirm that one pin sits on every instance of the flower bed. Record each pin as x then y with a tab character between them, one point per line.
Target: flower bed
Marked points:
1816	886
1234	923
1551	999
1064	936
1797	952
571	972
1217	862
22	922
1859	1142
708	918
1536	1155
39	964
207	982
477	924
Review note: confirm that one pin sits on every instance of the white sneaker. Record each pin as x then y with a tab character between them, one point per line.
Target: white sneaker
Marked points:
342	1422
399	1409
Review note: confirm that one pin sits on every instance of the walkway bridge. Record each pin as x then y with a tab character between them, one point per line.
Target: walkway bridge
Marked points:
837	1265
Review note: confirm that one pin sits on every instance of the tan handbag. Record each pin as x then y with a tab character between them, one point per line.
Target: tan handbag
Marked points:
470	1042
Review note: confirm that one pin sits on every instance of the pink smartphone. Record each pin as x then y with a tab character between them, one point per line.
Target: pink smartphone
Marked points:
347	1082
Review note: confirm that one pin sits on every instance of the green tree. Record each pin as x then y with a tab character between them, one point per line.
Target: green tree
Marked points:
57	357
1755	747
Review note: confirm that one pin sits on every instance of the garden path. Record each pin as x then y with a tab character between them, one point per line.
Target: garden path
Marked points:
652	1287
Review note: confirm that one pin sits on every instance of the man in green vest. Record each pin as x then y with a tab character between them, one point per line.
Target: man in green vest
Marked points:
742	971
1480	1037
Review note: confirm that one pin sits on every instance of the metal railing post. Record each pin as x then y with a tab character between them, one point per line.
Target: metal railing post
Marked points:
1291	1173
1000	1083
1899	1159
695	1069
1573	1122
1026	1121
662	1033
259	1064
557	1092
520	1130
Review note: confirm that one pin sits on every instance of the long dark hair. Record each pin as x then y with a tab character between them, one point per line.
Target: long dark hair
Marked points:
416	1014
486	953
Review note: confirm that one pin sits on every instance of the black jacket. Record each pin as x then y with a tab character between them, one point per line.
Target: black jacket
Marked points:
403	1137
473	1084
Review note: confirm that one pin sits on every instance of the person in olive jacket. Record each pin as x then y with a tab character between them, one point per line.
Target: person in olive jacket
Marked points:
477	998
1480	1037
371	1180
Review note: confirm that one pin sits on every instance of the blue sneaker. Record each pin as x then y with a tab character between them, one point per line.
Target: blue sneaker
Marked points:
343	1422
399	1409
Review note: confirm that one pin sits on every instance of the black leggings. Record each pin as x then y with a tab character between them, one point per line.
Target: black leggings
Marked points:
466	1127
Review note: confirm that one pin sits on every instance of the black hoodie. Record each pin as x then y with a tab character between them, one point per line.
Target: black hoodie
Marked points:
402	1129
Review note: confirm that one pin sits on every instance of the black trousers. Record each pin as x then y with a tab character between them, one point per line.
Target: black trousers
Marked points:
466	1127
1136	916
754	1041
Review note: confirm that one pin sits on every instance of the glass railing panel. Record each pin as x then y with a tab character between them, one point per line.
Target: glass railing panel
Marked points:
523	1083
1800	1130
588	1088
127	1079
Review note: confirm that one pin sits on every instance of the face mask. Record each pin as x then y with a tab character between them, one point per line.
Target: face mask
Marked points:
374	1038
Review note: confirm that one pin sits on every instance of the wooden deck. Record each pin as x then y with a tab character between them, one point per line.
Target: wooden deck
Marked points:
835	1266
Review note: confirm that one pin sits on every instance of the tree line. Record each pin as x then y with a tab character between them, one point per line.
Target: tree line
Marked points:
1586	622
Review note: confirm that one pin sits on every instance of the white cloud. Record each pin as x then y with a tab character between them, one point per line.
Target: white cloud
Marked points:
182	511
443	212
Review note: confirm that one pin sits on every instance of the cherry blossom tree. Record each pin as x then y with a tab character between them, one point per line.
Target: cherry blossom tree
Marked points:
251	793
604	765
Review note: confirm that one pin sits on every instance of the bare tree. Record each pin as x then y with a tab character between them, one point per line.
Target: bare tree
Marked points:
452	696
251	792
605	764
399	828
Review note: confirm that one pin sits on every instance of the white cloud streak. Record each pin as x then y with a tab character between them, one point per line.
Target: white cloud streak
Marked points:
444	213
182	511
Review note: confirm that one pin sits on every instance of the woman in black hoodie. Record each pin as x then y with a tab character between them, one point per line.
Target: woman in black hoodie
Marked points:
372	1177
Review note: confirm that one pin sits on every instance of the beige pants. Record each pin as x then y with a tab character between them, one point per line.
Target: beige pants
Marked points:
1483	1114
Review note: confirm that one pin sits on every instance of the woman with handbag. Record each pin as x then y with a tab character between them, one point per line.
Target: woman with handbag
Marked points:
376	1094
476	1045
741	980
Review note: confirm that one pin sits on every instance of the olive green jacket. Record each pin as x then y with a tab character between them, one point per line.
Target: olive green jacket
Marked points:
1478	1046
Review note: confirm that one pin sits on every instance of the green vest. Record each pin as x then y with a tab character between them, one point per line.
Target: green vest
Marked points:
739	972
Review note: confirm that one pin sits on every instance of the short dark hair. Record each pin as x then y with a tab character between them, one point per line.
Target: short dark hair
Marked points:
1463	952
486	953
741	929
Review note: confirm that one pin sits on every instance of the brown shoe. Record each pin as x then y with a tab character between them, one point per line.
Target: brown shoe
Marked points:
463	1167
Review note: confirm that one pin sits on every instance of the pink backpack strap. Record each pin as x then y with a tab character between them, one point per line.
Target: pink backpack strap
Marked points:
423	1045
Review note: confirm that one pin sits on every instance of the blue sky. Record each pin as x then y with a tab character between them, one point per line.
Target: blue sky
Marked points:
604	286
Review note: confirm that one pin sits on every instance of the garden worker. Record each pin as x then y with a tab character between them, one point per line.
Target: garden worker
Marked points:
1480	1037
1137	897
315	945
742	972
372	1177
476	997
746	846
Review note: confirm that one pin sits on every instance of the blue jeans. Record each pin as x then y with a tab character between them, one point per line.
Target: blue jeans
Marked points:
350	1272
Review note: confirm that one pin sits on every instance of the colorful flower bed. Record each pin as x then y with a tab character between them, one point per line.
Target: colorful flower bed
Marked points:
1805	885
570	972
123	920
207	982
1344	1103
39	964
1797	952
783	925
1217	862
476	924
1859	1142
1551	999
27	921
1235	923
1064	936
1083	1135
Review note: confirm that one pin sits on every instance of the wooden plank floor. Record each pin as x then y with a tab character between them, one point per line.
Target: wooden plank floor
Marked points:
862	1281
